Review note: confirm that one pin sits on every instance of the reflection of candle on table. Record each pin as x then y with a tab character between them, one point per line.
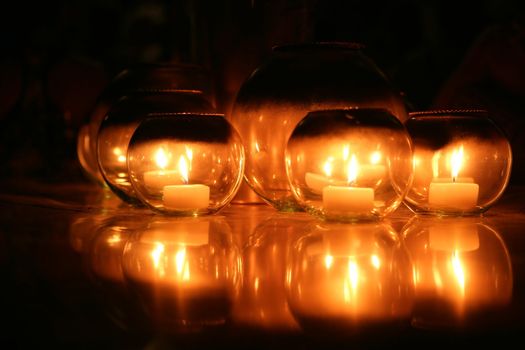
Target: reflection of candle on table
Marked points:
186	196
461	237
460	193
348	198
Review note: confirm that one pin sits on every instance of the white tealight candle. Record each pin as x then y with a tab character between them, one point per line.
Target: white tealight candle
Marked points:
317	182
454	192
348	198
186	197
351	199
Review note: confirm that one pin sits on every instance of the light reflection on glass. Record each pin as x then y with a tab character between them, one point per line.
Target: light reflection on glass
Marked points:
185	270
461	271
349	276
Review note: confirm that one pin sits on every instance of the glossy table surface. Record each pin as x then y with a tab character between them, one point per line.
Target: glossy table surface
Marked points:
81	269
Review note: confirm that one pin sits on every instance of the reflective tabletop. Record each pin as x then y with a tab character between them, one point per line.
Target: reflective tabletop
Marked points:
82	269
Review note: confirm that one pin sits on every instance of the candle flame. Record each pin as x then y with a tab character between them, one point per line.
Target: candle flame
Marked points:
353	169
346	152
181	265
456	161
327	167
161	158
157	255
183	168
328	261
375	157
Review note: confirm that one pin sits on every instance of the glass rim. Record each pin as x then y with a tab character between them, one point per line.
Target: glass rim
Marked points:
460	112
339	45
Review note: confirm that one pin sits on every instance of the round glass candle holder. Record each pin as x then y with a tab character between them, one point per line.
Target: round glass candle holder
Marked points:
142	78
462	162
349	277
296	79
121	121
186	164
462	271
186	271
349	165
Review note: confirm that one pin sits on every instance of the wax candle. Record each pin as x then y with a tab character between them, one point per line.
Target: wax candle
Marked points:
185	196
454	192
157	179
317	182
348	198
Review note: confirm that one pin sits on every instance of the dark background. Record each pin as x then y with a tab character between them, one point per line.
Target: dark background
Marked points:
78	46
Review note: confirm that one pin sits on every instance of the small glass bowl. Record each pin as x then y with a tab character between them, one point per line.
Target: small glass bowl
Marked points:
462	271
462	162
121	121
349	165
186	164
349	276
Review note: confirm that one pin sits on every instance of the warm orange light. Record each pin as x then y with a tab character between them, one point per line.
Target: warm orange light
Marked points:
353	169
375	157
183	168
328	167
459	273
181	265
161	158
157	255
456	162
328	261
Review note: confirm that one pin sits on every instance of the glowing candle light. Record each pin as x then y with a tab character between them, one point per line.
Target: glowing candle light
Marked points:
348	198
454	192
157	179
185	196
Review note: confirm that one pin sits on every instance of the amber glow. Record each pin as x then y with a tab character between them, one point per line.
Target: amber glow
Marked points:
114	239
157	255
375	261
181	265
351	282
375	157
328	261
328	167
435	164
458	272
121	158
456	162
353	169
183	168
161	158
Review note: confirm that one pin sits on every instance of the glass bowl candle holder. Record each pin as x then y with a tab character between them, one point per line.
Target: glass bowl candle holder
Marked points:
462	271
351	277
348	165
121	121
186	164
462	162
296	79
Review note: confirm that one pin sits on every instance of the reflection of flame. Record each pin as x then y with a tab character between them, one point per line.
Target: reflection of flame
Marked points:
375	157
157	254
350	284
456	161
374	260
161	159
183	168
121	158
114	239
458	271
346	152
328	261
181	265
352	169
327	167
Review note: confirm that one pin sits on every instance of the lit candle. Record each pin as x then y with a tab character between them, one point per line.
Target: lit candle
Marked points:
348	198
185	196
455	192
157	179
